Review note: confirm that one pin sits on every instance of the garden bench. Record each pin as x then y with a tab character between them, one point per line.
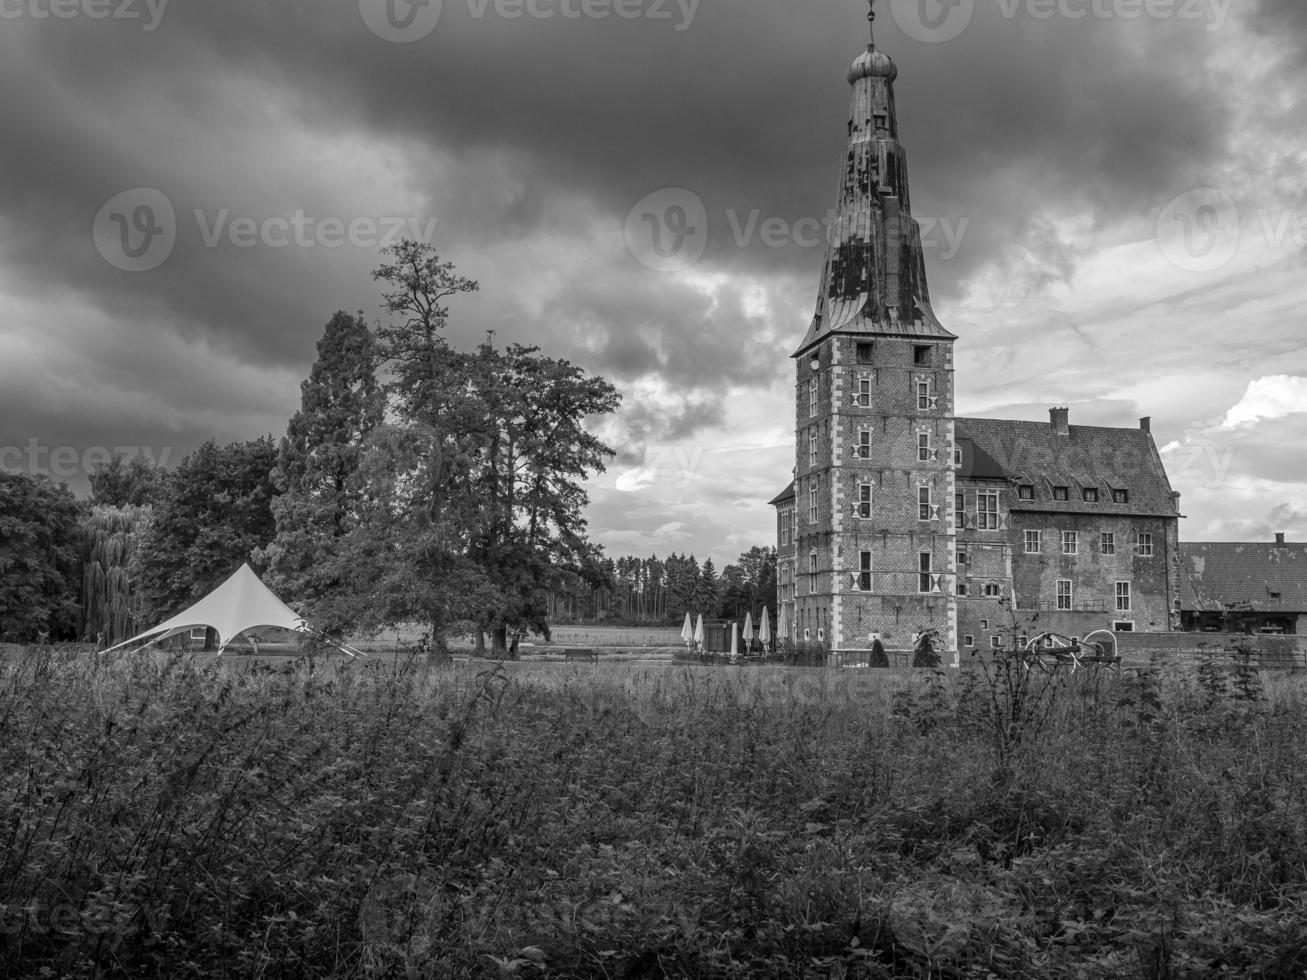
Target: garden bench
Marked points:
574	656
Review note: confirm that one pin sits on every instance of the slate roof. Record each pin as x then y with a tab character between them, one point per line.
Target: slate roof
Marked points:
1215	575
1033	453
784	495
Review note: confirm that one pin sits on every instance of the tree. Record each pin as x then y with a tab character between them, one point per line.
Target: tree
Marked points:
530	457
110	538
38	559
214	515
707	594
473	507
317	476
126	482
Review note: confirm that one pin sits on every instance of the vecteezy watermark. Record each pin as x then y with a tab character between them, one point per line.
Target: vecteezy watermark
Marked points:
1199	231
137	230
668	230
305	231
401	21
406	21
674	467
1202	465
67	462
944	235
1202	230
148	12
939	21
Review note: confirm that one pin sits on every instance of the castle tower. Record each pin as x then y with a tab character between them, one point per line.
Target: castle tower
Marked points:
871	546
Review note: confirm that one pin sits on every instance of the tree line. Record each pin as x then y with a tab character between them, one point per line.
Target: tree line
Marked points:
654	591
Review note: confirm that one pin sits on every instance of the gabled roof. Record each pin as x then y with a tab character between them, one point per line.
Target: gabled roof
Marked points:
1214	576
1034	454
785	495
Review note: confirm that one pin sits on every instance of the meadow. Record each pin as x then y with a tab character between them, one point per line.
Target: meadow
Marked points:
175	817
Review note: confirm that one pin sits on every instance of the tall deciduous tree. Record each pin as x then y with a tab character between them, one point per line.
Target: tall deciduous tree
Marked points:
39	539
215	513
126	482
474	498
530	455
409	551
317	476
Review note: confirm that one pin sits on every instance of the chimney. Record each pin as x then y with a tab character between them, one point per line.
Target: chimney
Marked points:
1279	540
1146	424
1060	418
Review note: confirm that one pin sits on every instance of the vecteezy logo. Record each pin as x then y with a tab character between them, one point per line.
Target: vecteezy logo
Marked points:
136	230
933	21
401	21
1199	231
668	230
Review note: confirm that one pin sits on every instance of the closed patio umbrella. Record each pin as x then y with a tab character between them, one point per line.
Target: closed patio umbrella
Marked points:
687	631
764	629
748	631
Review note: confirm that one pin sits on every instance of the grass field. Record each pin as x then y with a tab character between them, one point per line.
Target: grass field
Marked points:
181	818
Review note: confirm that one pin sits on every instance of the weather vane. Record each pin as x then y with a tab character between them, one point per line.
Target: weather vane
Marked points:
871	18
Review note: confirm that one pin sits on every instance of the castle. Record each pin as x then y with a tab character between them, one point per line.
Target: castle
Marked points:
902	516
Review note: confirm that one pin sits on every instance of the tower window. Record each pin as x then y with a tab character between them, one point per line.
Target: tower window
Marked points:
923	396
987	510
992	591
812	573
923	447
812	399
864	571
812	501
925	509
863	397
922	355
864	501
925	577
864	444
866	353
812	446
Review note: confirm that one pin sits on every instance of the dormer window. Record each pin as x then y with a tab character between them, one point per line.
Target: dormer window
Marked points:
1061	493
1120	496
1091	495
1026	492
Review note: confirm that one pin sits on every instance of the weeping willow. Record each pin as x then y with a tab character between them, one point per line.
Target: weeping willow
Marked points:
109	539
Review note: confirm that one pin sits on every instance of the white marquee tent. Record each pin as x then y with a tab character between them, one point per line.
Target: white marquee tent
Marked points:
240	604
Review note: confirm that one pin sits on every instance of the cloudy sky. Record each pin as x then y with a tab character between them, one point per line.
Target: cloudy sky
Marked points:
1112	192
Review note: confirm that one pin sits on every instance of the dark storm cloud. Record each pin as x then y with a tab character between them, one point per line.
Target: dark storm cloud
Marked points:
529	141
745	107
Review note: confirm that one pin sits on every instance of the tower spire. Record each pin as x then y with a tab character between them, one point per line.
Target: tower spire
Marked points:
875	275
